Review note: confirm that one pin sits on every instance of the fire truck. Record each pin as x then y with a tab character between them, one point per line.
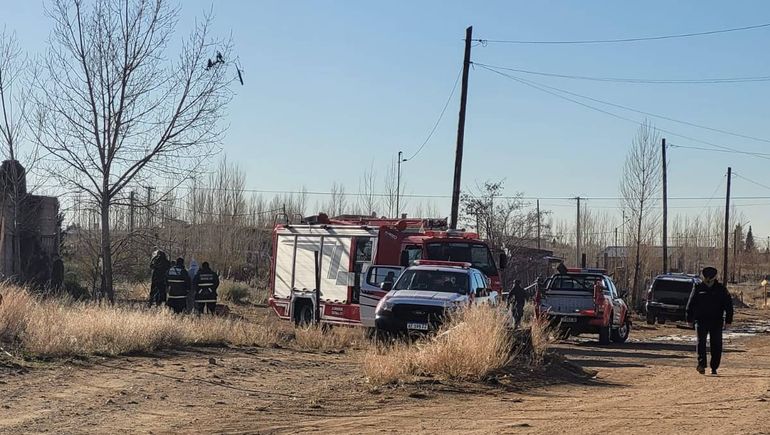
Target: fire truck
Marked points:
336	270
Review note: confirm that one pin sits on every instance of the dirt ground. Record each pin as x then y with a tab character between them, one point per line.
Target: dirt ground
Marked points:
648	385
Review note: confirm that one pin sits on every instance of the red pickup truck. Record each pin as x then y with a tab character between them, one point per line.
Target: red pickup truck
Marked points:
584	301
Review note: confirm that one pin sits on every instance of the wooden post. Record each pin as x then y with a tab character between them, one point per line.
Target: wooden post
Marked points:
665	211
461	130
727	225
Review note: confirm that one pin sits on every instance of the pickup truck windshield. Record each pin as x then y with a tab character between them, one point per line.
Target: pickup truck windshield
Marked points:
573	282
433	280
476	254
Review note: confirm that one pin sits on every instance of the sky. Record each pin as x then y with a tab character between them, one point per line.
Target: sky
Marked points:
335	87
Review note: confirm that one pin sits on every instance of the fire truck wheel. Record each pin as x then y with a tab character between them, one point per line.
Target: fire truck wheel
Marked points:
303	313
650	318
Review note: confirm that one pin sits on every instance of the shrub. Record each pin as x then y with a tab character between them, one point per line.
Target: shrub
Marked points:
326	339
473	343
233	292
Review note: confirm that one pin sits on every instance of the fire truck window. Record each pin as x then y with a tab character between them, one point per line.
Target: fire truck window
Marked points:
363	249
412	254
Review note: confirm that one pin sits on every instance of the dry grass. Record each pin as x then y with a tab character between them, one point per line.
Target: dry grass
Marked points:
459	351
60	328
324	339
541	338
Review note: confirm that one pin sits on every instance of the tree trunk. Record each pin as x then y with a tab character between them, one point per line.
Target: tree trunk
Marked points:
106	251
637	263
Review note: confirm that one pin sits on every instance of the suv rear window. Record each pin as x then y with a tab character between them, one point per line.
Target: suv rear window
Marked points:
669	285
573	282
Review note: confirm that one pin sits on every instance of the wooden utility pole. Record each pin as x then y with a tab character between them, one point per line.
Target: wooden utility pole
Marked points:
398	184
538	224
665	211
461	129
577	240
727	225
149	207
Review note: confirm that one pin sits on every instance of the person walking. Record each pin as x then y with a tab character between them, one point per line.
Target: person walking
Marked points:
709	309
159	265
516	299
178	281
206	281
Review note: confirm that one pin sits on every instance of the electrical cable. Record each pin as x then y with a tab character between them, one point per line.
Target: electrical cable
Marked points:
622	40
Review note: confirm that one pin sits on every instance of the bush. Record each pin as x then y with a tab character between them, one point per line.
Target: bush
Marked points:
458	351
327	339
233	292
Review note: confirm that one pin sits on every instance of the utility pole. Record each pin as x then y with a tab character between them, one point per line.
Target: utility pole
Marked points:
665	211
461	129
735	250
398	184
577	243
727	224
538	224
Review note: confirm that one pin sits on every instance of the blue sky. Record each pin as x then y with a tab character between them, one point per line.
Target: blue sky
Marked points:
332	86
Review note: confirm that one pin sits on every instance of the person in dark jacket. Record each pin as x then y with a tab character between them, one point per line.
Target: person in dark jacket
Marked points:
159	265
57	274
206	282
178	281
516	299
710	308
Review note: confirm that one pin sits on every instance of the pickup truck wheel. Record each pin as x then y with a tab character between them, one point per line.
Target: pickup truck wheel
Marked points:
650	318
303	313
604	333
620	335
662	320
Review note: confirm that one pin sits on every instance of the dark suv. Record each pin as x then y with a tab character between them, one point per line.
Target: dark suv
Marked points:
668	296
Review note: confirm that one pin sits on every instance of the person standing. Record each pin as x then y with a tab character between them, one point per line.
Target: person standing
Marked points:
709	309
159	265
178	281
516	299
206	281
192	271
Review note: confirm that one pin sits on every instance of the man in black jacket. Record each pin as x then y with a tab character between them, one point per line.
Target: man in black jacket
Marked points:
516	299
206	282
710	308
159	265
178	281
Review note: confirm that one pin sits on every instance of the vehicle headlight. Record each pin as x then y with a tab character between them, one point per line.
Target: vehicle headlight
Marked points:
384	305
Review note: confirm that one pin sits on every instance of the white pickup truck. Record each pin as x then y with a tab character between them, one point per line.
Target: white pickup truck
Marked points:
426	292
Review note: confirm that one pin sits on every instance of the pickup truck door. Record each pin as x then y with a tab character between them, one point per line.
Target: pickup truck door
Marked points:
618	306
488	297
372	279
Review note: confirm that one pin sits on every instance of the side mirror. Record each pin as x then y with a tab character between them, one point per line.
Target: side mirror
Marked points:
387	286
503	260
481	291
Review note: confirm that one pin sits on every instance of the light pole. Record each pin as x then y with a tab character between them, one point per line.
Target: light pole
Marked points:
398	183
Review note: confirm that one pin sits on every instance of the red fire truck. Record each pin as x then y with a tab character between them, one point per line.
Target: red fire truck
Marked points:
358	257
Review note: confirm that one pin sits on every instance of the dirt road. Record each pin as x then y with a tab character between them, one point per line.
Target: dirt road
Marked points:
648	385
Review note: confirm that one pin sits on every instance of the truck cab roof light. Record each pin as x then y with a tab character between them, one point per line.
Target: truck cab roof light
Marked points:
464	265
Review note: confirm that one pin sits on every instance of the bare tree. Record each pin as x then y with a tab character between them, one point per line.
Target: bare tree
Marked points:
638	187
114	112
367	200
392	190
20	153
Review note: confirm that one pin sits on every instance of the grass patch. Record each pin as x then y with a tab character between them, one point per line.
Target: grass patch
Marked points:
61	328
474	342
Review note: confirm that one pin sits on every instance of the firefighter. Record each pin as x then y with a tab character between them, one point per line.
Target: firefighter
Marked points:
710	309
206	281
178	281
516	299
159	265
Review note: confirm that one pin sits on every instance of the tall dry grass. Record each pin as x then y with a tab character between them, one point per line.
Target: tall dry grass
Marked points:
328	339
474	342
60	328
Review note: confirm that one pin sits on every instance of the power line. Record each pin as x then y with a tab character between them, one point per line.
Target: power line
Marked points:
638	80
438	121
622	40
631	109
545	88
752	181
751	153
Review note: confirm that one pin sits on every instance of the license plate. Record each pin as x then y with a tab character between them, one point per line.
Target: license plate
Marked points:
417	326
569	320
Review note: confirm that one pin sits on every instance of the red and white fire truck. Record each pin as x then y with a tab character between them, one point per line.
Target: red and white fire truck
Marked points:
358	257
